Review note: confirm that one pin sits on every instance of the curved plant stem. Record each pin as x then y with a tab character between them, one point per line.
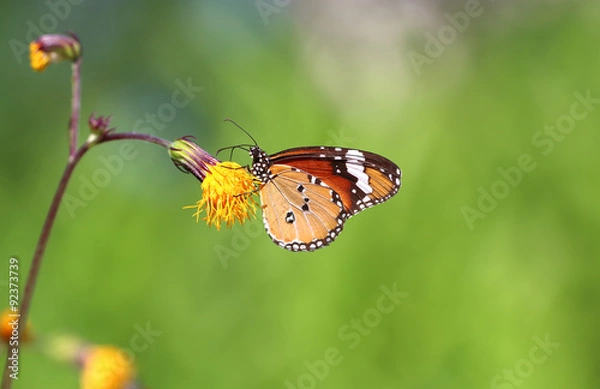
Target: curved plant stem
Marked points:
39	253
75	156
75	106
49	223
136	136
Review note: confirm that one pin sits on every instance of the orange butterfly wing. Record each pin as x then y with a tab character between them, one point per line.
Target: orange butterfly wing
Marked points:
300	213
361	178
308	192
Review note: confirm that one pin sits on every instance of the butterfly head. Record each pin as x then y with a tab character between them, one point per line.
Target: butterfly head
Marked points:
260	163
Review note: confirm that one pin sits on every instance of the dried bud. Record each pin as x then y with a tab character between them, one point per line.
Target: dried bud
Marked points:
99	125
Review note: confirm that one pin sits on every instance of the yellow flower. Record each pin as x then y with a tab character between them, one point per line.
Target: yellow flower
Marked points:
226	195
106	367
53	48
227	187
9	327
38	58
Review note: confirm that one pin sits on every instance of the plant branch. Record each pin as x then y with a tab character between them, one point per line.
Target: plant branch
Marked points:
49	223
75	155
39	254
135	136
75	107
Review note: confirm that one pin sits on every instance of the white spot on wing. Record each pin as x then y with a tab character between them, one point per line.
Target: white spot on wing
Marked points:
358	171
356	155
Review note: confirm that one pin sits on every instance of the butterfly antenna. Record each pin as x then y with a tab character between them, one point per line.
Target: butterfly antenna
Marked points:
240	127
232	148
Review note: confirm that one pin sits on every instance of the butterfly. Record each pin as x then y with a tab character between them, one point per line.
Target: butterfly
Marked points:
308	193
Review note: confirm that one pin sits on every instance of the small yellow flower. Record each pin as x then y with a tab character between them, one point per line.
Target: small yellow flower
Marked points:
51	48
9	327
106	367
226	195
227	187
38	58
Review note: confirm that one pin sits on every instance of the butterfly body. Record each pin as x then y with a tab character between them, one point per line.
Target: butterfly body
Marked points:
309	192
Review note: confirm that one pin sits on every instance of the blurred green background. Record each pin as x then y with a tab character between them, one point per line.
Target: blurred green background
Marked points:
490	266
